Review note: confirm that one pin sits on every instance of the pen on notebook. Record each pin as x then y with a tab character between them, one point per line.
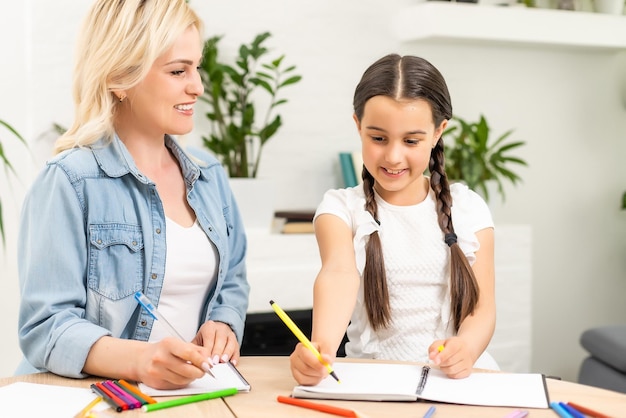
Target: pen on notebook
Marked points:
588	411
189	399
154	312
430	412
342	412
83	412
303	339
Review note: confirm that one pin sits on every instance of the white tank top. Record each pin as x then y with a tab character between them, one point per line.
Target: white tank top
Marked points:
190	271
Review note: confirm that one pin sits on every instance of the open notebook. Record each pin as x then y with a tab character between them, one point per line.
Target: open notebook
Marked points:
226	376
410	382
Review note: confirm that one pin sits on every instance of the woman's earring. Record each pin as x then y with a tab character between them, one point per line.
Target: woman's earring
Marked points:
122	98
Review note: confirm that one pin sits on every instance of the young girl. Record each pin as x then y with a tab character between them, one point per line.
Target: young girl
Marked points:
124	207
407	260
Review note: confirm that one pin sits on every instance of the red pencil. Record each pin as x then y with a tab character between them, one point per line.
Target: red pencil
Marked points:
587	411
112	395
317	406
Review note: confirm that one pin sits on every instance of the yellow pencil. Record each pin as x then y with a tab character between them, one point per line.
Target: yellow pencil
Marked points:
88	408
303	339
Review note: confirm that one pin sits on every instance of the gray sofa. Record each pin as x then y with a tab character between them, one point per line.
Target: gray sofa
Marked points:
605	367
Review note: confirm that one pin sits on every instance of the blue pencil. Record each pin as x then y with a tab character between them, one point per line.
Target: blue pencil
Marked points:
562	412
572	411
430	412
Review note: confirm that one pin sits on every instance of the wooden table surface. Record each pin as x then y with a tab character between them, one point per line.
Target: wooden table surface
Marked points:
271	376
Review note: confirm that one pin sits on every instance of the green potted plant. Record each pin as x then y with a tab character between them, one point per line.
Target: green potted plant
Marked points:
475	159
238	129
8	167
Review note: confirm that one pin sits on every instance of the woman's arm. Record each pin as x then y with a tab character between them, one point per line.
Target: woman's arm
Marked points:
169	364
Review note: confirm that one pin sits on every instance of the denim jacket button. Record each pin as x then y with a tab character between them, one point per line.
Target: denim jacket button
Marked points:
154	276
158	230
143	322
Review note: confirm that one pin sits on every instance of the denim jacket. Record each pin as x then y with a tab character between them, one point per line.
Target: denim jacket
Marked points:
92	233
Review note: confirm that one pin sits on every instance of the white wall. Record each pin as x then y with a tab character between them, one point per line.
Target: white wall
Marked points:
564	103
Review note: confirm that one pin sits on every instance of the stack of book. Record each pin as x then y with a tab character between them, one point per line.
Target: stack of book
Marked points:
293	221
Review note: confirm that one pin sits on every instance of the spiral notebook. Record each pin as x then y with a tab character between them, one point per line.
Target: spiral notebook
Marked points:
409	382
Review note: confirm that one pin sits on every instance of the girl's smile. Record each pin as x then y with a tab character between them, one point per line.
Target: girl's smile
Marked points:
397	138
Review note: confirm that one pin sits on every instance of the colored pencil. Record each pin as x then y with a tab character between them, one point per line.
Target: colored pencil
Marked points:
88	408
588	411
432	409
112	403
562	412
572	411
133	389
303	339
317	406
120	393
188	399
129	393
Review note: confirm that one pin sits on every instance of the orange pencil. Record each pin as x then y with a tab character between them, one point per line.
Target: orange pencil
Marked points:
587	411
317	406
136	391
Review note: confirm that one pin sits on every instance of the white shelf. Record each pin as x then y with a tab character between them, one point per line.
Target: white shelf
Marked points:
463	22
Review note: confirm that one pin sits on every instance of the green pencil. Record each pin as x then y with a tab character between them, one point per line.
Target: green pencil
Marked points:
188	399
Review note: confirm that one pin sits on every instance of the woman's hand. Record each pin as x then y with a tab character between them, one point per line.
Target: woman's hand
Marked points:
455	359
306	367
171	363
220	340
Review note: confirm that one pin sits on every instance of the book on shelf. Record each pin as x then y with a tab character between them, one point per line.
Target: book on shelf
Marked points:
351	168
294	221
375	381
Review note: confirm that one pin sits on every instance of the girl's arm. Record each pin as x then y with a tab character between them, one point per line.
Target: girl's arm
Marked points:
334	297
461	352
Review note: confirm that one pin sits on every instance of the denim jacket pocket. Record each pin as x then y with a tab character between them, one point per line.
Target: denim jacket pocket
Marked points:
116	259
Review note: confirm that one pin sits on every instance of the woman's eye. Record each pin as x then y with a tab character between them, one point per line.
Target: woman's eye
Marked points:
377	138
178	72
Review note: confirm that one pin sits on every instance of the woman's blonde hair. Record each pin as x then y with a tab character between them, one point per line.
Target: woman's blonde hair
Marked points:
118	43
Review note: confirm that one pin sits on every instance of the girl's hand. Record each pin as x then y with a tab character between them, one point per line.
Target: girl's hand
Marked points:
220	340
171	364
306	367
455	359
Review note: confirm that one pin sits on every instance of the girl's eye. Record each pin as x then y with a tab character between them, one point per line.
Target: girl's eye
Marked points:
412	141
178	72
378	138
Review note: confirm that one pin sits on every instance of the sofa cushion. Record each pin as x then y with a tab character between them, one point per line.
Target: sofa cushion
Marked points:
593	372
608	344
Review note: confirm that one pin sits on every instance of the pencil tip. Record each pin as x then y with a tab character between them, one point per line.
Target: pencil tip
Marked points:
271	302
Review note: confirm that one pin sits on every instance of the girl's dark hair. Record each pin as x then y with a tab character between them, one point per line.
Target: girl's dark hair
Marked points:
410	77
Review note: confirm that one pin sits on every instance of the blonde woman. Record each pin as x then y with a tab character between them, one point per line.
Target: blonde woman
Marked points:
123	208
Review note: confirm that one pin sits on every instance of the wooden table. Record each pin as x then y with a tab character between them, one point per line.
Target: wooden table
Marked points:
270	377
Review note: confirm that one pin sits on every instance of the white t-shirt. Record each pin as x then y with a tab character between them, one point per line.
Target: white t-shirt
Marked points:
190	271
417	264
